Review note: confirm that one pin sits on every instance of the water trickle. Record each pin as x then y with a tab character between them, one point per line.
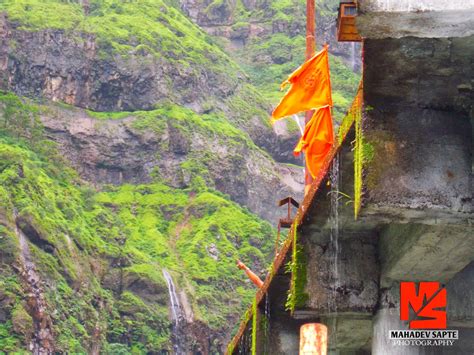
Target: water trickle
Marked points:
334	216
42	340
266	345
245	342
334	244
297	121
177	315
353	57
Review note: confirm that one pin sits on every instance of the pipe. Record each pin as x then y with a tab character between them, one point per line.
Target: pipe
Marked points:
253	277
313	339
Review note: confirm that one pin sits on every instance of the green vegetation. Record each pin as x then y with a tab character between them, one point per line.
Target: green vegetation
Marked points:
254	326
297	296
270	59
108	248
358	159
102	251
154	27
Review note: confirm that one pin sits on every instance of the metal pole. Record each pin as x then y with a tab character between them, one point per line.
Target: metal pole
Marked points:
310	50
310	28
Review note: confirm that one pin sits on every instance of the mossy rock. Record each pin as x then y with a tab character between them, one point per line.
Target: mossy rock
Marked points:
22	322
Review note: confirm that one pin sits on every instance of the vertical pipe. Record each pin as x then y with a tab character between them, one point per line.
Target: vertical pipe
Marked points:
310	50
310	28
313	339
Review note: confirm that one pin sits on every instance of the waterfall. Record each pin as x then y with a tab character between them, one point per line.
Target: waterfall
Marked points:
177	315
297	120
353	57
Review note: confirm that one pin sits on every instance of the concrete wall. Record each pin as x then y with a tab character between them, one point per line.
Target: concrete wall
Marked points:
419	94
417	18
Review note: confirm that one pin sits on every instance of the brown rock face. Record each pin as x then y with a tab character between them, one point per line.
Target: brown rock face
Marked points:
61	67
58	66
117	151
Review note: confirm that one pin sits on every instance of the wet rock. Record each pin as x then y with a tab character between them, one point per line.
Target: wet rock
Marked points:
61	67
351	286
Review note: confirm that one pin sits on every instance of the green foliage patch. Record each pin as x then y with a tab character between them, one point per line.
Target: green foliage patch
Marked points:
105	242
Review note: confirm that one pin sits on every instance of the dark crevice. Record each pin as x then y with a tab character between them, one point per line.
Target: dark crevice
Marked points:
34	236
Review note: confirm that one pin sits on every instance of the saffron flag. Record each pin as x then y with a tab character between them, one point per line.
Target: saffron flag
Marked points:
310	87
317	140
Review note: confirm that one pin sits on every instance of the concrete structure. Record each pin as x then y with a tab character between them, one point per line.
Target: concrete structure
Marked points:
417	18
417	216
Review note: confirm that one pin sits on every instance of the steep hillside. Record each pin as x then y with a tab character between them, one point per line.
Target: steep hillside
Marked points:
172	144
137	163
95	72
125	56
267	38
82	269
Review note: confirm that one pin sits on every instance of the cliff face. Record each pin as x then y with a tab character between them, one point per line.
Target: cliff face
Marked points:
66	68
175	146
163	125
78	69
243	22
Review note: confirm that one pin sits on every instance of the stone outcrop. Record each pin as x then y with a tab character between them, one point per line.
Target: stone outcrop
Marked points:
74	69
63	67
118	151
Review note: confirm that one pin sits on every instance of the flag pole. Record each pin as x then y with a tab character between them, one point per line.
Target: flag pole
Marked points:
310	50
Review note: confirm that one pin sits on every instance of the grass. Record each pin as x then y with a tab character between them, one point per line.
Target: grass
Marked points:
152	27
133	231
106	241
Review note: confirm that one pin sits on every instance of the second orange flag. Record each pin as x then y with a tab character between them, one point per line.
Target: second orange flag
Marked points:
317	140
310	87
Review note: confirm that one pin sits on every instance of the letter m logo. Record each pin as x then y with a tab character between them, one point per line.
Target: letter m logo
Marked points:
425	304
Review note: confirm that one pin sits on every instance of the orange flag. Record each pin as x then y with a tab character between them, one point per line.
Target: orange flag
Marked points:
317	140
310	87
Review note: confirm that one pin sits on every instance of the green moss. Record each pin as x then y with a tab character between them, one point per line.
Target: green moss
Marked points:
297	297
150	27
254	327
108	115
35	15
147	227
9	342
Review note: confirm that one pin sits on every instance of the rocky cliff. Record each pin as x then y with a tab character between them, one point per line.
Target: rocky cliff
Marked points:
61	67
175	145
130	132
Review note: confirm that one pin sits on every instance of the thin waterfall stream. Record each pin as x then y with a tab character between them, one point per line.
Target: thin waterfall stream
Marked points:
298	123
177	315
353	56
334	244
266	345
